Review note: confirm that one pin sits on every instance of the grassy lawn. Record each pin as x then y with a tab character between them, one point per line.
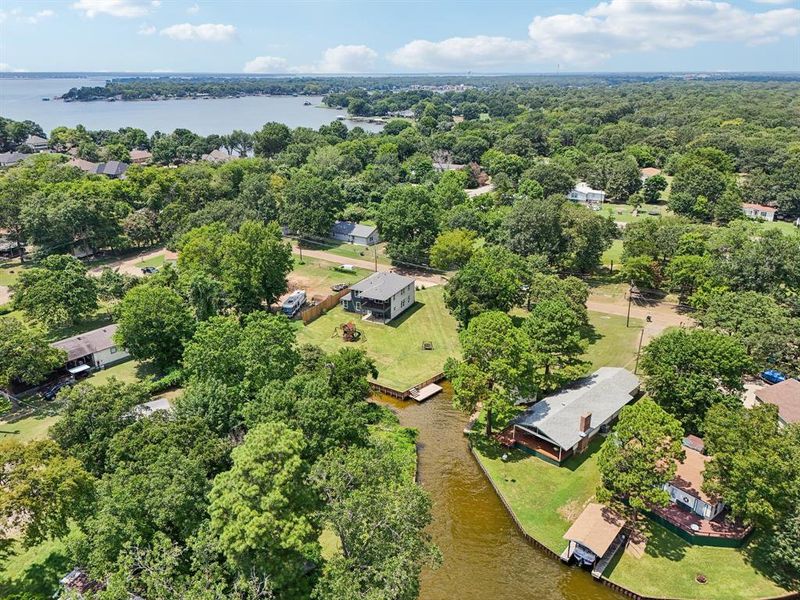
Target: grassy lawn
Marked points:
9	271
128	371
156	261
624	213
611	343
354	251
546	499
26	429
669	566
613	255
317	276
33	573
781	225
396	348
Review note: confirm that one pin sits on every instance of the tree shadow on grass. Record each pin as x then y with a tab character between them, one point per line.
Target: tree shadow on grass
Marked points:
31	409
756	554
573	463
40	580
662	543
492	449
590	334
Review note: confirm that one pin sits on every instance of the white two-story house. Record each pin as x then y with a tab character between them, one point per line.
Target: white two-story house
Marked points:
381	296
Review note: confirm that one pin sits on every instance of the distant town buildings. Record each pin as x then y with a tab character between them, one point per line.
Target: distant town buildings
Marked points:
141	157
218	157
9	159
36	143
113	168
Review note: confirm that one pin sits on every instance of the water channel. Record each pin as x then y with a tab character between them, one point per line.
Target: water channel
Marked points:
484	555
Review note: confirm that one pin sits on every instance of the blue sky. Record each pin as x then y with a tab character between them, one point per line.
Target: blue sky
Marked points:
399	36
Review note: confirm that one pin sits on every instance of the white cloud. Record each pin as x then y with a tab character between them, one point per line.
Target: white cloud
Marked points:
21	17
460	53
339	59
7	68
342	59
193	9
207	32
115	8
630	26
607	29
774	1
38	16
266	64
145	29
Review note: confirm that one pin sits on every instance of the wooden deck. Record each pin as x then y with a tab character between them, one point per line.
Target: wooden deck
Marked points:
420	395
721	526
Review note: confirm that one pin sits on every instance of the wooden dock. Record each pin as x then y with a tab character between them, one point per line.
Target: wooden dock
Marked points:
420	395
605	560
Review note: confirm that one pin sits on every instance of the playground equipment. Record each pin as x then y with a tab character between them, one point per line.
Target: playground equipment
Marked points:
349	332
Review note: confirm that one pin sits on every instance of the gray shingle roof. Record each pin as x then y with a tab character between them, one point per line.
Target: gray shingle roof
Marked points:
354	229
11	158
602	394
112	168
88	343
381	286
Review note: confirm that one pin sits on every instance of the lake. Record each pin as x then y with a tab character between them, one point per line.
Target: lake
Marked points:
485	557
21	98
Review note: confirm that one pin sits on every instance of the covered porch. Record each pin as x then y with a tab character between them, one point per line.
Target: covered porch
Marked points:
531	442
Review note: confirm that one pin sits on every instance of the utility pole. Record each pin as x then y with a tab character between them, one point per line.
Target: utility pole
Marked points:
375	255
630	299
300	247
638	352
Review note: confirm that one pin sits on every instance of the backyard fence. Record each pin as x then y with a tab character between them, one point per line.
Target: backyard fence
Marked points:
314	312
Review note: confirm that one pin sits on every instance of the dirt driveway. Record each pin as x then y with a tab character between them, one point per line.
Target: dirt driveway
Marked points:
426	278
128	265
662	315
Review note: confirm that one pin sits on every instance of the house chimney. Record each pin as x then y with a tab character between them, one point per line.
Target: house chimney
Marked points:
586	422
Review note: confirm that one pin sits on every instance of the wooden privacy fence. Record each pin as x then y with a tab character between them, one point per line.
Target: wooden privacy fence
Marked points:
314	312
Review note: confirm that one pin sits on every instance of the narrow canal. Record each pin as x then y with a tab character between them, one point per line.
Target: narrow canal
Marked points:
484	556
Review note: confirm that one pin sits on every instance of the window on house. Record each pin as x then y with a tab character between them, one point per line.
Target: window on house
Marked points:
113	349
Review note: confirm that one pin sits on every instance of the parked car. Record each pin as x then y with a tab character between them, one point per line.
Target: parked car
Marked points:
51	392
149	270
772	376
338	287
